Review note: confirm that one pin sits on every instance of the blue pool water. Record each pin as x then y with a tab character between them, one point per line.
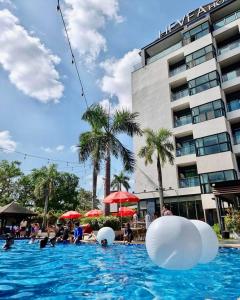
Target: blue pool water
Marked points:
118	272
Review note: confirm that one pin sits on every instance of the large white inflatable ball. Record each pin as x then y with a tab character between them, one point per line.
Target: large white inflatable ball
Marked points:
209	241
173	243
106	233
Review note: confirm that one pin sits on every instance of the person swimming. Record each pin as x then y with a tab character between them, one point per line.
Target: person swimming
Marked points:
8	242
43	243
104	243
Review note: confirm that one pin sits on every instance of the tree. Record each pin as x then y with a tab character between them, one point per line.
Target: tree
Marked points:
46	182
110	126
158	142
94	153
10	173
85	200
119	181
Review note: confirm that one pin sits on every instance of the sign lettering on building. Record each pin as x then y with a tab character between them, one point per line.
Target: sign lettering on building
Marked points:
192	15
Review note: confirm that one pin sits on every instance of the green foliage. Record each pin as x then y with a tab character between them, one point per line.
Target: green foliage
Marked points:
232	220
119	181
84	200
217	230
98	223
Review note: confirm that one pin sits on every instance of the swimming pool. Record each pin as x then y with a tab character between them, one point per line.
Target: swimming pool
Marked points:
118	272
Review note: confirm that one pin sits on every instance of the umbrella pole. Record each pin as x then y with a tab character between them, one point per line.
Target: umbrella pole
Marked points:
121	213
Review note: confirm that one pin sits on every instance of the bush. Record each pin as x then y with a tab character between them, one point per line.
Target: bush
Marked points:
217	230
232	220
98	223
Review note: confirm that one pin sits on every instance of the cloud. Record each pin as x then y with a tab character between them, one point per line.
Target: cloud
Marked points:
6	142
60	148
73	149
31	66
46	149
85	21
117	79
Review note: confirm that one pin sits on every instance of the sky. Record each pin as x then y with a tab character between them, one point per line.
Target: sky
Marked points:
40	96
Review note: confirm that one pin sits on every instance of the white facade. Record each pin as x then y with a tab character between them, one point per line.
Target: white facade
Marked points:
161	98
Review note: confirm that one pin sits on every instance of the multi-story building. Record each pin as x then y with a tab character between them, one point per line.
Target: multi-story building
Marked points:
189	82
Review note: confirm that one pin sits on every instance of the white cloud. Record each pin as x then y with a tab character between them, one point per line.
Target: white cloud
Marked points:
46	149
30	64
117	78
85	20
73	148
60	148
6	142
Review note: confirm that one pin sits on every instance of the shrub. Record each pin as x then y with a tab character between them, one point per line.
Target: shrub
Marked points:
98	223
232	220
217	230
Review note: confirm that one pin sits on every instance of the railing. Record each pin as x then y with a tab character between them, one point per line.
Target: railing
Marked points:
189	182
178	70
226	20
236	137
186	150
231	75
233	104
183	121
164	52
229	47
180	94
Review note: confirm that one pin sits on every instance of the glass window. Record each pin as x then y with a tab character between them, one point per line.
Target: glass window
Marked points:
226	20
213	144
196	33
208	111
233	101
203	83
206	180
200	56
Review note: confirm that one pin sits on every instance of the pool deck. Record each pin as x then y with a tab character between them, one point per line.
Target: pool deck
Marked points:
229	243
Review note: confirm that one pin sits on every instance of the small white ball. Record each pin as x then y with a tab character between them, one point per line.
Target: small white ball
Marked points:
173	243
209	241
106	233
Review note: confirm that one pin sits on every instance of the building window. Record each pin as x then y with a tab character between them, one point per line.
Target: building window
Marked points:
200	56
213	144
233	101
231	72
185	146
229	45
236	133
177	68
203	83
196	33
208	111
208	179
226	20
180	92
182	117
188	176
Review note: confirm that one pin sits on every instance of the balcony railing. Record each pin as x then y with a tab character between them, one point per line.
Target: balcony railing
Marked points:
184	120
226	20
177	70
231	75
186	150
236	137
189	182
180	94
233	105
229	47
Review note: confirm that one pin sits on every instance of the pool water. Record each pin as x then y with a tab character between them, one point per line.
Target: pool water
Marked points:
117	272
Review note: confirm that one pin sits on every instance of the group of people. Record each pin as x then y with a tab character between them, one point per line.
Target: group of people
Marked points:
24	229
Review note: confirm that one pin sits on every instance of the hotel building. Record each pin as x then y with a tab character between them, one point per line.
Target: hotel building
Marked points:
189	82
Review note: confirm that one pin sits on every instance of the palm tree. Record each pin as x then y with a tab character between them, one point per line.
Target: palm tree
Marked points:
110	126
45	186
158	143
119	181
94	153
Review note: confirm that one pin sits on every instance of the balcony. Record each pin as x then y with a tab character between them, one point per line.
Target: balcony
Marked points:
186	150
236	137
177	68
229	47
185	146
233	101
189	182
226	20
231	74
180	92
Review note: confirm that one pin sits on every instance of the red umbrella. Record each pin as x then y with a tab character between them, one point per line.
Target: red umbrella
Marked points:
126	212
71	215
94	213
121	197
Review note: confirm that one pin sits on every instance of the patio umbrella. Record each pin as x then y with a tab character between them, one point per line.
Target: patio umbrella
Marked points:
121	197
126	212
71	215
93	213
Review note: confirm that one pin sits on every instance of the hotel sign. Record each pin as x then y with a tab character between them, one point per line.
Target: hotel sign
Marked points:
191	16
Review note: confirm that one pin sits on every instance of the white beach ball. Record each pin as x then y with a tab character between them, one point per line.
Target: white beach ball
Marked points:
209	241
173	243
106	233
